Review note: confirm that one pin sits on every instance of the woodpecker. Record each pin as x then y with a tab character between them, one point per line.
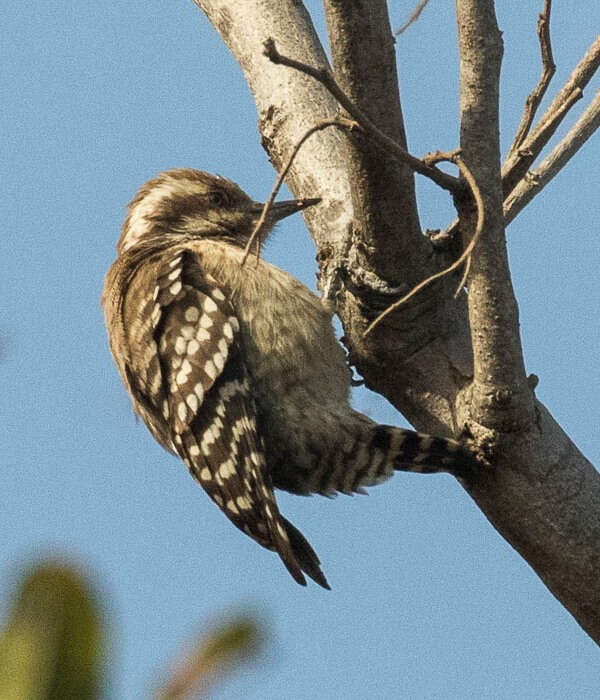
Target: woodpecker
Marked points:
236	369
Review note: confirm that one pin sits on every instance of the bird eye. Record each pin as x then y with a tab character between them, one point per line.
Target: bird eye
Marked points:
218	198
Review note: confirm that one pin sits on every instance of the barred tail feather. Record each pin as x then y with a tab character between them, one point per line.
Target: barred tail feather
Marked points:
379	450
407	450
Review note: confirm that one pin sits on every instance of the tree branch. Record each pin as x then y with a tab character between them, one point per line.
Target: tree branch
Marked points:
579	78
541	494
535	181
387	252
500	396
386	221
520	160
548	69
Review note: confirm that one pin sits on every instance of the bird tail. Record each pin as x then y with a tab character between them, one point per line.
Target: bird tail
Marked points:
407	450
304	554
370	458
377	451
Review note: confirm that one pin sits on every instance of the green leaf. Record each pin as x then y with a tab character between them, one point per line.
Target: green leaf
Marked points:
52	645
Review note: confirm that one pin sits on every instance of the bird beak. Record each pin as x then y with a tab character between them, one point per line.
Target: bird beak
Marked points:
279	210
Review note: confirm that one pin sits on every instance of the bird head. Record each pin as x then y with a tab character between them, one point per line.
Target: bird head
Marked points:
188	204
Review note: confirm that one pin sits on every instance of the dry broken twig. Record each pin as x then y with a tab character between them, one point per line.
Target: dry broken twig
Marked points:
338	122
548	69
465	257
325	77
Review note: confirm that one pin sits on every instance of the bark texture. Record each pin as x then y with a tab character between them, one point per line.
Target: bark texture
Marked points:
444	364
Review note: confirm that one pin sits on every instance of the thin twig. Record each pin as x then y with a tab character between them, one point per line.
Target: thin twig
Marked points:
548	69
531	185
339	122
453	157
414	16
325	77
579	78
517	164
519	161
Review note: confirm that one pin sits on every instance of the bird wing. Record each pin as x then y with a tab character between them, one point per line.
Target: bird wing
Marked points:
194	375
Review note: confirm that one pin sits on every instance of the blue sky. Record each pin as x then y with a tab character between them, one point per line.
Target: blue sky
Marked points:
428	602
